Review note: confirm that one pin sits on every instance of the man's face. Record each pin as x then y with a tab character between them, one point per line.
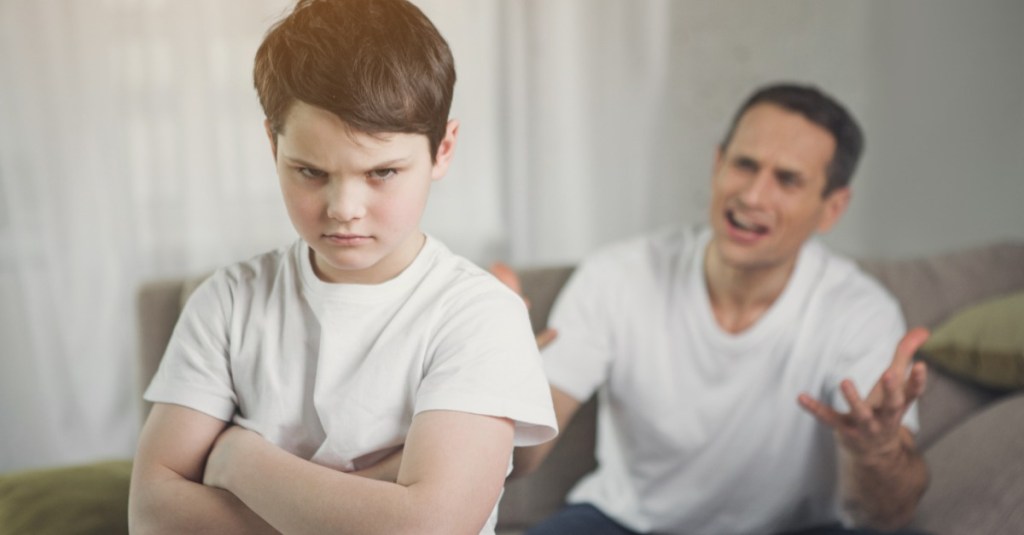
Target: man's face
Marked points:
767	189
356	199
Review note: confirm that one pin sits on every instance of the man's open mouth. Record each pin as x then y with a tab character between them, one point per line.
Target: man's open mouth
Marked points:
744	224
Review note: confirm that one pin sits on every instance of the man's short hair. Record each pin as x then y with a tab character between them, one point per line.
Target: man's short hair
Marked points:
822	110
379	65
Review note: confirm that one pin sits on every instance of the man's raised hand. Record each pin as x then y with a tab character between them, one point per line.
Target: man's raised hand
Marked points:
873	425
509	278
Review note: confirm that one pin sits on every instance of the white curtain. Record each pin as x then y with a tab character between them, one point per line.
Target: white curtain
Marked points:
131	148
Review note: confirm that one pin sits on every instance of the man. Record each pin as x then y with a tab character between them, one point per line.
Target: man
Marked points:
703	342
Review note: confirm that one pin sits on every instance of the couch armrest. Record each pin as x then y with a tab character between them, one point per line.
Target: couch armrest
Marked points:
977	469
158	304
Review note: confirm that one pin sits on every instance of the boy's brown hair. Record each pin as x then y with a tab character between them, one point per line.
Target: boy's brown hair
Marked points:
379	65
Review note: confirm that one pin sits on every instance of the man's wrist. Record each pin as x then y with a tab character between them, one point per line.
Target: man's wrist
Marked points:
881	457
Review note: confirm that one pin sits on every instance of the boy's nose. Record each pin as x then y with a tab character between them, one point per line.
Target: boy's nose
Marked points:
346	201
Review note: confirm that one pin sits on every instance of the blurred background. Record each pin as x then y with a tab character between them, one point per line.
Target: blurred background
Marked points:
131	148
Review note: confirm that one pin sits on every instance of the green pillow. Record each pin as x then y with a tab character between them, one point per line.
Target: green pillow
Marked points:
85	499
983	344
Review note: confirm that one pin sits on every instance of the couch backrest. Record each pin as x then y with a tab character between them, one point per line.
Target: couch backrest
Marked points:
929	289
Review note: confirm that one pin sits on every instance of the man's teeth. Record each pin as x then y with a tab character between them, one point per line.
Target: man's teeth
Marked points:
746	225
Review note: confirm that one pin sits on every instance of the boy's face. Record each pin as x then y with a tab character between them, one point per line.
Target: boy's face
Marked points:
766	191
356	199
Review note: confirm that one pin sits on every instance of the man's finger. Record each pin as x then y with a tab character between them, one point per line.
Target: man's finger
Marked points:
859	410
825	414
507	276
545	337
906	348
916	383
892	384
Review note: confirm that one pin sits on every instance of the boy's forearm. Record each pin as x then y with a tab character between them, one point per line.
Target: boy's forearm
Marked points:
298	496
174	505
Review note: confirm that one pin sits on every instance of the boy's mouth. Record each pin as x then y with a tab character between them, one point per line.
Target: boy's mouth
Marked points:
347	239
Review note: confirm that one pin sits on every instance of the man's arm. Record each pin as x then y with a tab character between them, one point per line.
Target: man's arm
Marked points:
452	472
882	474
167	494
526	460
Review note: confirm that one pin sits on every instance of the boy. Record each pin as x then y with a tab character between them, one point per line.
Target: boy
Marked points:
293	374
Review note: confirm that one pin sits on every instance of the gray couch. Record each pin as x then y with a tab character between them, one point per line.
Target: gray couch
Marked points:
973	438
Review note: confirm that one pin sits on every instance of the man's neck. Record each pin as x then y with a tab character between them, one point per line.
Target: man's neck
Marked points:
740	296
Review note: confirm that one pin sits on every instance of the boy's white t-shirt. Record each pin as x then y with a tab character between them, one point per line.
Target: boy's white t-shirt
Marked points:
699	430
334	373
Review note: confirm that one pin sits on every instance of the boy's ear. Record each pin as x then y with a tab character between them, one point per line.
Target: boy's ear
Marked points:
445	150
271	137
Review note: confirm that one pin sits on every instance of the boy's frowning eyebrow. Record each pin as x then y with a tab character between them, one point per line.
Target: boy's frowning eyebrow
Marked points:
394	162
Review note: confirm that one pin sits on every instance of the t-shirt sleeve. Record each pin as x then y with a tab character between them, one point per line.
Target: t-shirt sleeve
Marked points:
484	360
579	359
873	327
194	371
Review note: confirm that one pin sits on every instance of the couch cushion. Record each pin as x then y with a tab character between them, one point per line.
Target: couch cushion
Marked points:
977	483
983	344
71	500
933	288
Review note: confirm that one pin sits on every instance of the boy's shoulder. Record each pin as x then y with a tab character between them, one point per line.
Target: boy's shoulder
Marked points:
245	276
267	265
458	279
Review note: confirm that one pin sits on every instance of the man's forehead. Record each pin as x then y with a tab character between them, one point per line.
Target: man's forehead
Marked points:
768	131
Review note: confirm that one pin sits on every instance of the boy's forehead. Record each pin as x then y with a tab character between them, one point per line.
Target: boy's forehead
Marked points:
310	132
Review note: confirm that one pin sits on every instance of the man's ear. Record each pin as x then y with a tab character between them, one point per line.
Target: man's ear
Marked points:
271	137
445	150
835	206
717	164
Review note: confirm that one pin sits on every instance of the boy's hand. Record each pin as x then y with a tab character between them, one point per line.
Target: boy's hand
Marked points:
509	278
234	441
385	470
873	426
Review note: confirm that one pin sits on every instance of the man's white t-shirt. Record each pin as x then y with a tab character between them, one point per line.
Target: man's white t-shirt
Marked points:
699	430
334	373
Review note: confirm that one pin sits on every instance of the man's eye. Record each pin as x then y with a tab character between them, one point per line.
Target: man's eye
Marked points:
788	180
746	165
309	172
383	174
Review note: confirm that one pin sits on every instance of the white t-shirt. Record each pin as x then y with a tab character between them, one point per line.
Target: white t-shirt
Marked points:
699	430
334	373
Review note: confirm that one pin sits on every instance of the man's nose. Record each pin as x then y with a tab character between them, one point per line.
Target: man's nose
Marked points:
346	200
758	188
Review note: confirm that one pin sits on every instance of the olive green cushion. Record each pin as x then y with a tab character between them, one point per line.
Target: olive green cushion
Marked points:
983	344
84	499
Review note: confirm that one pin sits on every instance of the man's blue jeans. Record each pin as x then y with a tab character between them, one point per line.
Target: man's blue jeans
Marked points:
585	519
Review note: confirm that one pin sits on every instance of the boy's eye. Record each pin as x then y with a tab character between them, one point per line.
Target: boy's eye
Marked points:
383	174
309	172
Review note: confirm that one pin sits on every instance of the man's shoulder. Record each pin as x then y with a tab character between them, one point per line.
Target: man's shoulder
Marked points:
659	247
843	283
